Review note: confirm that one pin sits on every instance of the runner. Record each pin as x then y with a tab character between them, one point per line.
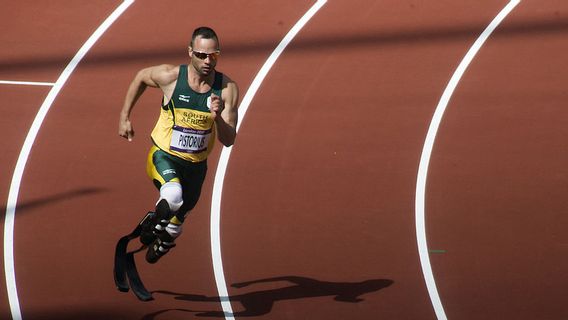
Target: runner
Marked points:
199	105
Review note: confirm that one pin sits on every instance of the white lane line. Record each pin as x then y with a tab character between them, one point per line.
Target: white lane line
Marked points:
25	152
226	152
27	83
427	152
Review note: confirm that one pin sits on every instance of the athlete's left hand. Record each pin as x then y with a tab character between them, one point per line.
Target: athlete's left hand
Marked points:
217	106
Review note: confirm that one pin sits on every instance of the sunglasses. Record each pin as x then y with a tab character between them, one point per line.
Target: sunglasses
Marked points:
204	55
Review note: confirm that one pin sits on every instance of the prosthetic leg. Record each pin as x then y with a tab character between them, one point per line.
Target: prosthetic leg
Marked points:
157	232
125	273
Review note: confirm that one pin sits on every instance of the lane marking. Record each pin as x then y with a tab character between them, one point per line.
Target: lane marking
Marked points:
427	152
25	152
225	155
27	83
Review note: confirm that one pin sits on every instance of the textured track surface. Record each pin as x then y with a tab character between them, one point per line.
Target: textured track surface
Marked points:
318	201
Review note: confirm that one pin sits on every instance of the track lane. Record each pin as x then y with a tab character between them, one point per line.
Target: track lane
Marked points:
23	103
25	46
423	248
257	244
324	173
497	193
225	156
70	196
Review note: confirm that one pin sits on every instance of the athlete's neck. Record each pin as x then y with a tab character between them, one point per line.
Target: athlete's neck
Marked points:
199	82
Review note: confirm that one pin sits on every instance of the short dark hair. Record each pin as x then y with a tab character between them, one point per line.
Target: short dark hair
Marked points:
205	33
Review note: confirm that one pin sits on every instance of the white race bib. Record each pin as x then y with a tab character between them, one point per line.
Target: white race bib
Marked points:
189	140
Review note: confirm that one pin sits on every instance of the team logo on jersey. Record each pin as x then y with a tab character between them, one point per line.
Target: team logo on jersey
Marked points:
209	102
183	97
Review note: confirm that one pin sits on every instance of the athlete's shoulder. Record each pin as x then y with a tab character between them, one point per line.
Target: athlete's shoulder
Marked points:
229	91
165	73
228	82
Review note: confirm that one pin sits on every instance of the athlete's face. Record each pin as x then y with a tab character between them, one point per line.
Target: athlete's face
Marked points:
204	54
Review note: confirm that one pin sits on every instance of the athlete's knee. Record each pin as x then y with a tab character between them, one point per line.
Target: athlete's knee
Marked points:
172	193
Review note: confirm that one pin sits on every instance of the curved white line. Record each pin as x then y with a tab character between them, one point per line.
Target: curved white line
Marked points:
9	268
225	155
427	152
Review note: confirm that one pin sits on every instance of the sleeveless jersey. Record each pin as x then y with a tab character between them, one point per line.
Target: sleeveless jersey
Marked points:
185	127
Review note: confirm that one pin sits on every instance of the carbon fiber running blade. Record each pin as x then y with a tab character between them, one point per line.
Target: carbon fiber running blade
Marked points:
135	282
124	266
120	264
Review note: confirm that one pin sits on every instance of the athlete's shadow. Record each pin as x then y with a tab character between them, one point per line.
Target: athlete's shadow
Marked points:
258	303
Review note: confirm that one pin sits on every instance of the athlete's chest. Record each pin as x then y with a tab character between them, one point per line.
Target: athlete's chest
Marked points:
190	100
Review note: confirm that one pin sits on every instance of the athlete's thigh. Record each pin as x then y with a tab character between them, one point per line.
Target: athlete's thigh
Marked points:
160	168
192	180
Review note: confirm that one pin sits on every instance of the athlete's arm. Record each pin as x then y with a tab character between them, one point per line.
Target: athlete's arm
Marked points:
162	76
226	120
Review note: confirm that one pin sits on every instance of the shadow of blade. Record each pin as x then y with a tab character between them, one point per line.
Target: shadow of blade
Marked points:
258	303
153	315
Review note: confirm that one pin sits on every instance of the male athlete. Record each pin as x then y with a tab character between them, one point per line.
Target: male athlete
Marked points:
199	105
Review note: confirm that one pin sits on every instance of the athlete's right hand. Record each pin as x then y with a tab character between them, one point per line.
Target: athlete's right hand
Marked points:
125	129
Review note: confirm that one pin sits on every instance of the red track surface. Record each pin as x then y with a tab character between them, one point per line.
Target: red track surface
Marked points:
320	185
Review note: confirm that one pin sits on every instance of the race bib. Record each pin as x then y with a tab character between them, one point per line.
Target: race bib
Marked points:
189	140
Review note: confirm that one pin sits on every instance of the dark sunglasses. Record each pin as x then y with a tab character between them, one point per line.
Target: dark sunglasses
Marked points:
204	55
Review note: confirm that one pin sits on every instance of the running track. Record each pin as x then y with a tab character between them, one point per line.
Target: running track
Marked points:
319	193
